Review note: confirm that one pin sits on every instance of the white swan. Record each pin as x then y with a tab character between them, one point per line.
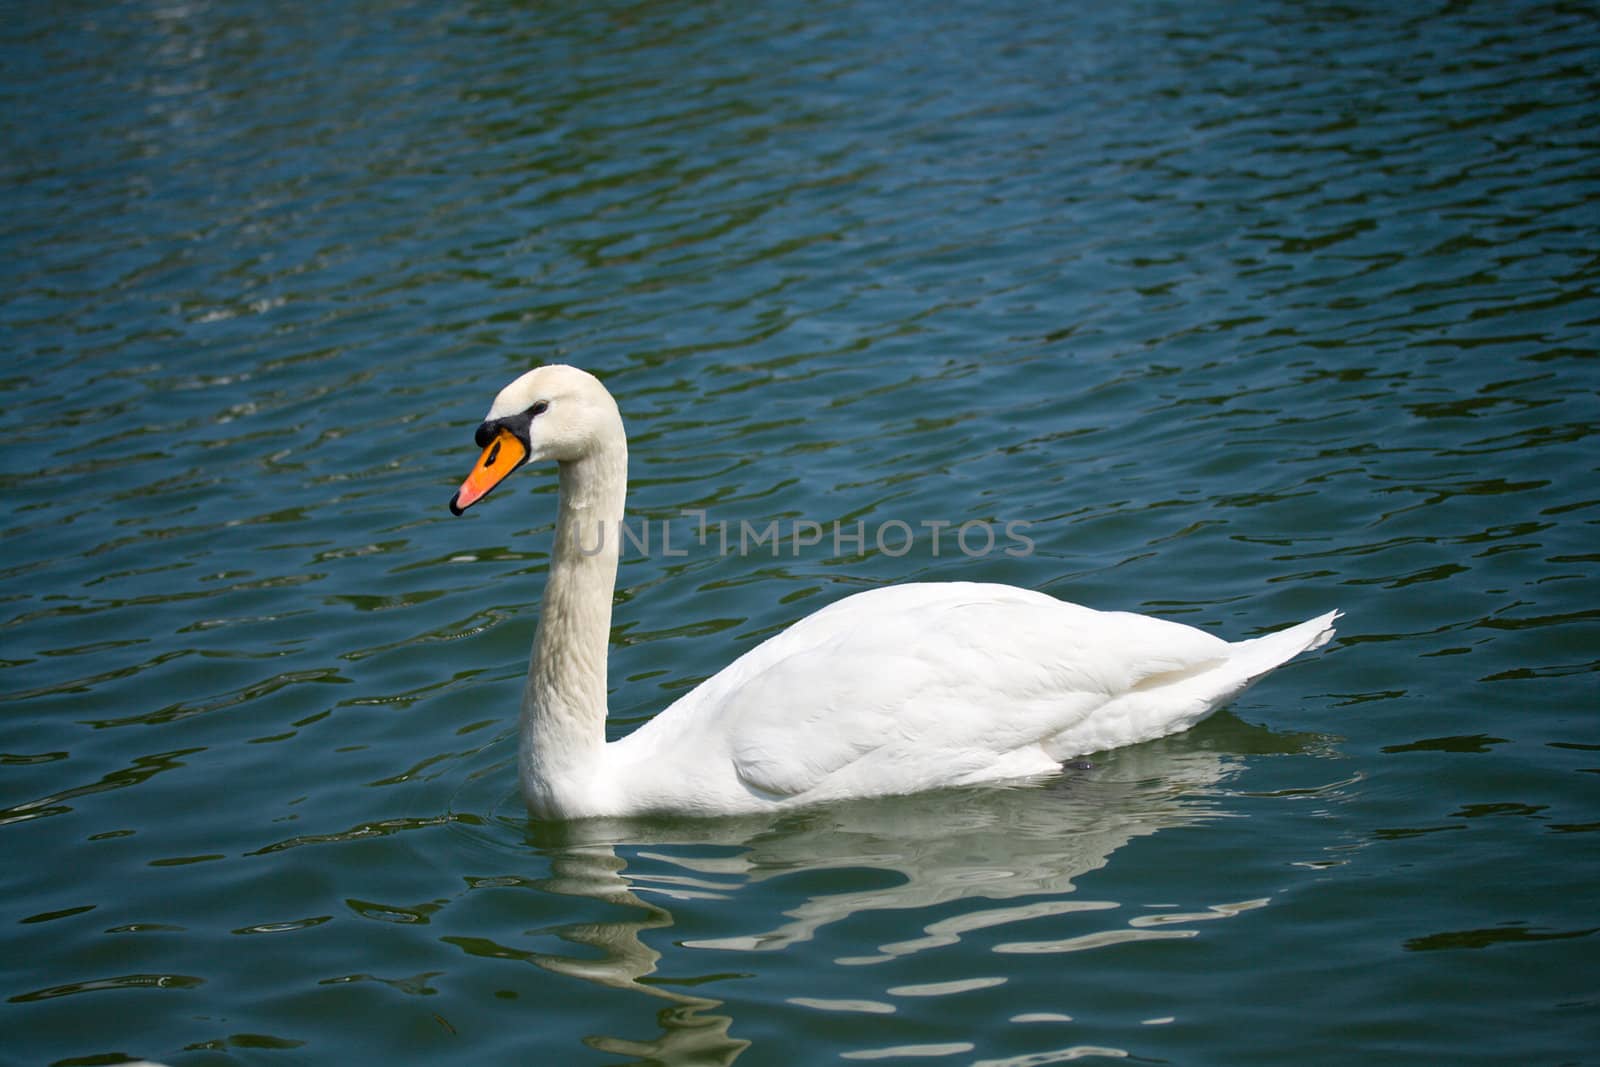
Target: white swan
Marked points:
888	691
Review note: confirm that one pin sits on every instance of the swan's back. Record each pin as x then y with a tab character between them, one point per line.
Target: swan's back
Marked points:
916	686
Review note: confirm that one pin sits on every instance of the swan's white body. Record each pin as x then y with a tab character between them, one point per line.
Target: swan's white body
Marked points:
888	691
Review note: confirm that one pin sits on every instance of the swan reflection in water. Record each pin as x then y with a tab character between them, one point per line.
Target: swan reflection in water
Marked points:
1013	852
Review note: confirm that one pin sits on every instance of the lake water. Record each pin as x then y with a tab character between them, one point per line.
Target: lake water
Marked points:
1244	312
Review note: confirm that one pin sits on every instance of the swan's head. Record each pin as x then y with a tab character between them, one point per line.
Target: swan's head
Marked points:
550	413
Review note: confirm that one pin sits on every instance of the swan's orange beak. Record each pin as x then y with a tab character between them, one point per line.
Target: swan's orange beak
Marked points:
503	454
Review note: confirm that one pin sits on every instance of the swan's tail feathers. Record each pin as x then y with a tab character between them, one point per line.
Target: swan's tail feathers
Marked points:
1173	701
1250	660
1259	655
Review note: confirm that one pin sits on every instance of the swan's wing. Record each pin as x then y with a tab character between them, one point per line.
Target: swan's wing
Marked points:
897	689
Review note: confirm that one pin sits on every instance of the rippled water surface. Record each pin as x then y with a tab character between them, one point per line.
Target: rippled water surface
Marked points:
1243	312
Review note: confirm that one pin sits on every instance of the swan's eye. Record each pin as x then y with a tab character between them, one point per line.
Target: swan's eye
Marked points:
539	408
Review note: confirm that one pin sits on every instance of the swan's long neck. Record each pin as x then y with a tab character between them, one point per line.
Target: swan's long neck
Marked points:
564	702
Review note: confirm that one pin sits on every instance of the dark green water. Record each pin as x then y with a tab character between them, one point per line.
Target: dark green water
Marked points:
1247	311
